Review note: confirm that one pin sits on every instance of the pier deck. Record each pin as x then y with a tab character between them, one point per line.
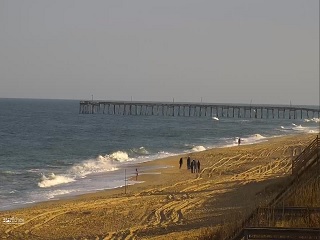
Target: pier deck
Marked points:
196	109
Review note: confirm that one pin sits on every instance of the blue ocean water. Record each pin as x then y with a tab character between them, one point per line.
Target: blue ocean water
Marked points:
48	150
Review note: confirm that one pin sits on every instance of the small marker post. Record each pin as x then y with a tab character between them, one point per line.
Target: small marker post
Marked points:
125	181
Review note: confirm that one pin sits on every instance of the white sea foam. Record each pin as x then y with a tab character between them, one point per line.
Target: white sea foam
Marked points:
316	120
55	193
305	129
162	154
298	128
53	180
159	155
198	148
119	156
251	139
100	164
33	170
258	136
8	172
140	151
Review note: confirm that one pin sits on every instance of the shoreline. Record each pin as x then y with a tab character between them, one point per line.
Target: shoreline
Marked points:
130	165
170	202
151	163
148	163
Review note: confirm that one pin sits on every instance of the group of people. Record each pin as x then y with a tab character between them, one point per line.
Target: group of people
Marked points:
192	165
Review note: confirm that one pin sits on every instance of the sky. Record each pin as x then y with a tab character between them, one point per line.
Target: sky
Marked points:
215	51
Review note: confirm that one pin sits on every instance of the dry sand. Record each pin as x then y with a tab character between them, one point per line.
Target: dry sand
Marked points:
175	204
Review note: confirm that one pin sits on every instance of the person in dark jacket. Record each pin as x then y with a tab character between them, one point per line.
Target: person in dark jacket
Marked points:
191	166
188	162
194	163
180	163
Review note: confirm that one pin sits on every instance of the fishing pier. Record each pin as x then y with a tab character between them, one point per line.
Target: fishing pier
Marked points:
196	109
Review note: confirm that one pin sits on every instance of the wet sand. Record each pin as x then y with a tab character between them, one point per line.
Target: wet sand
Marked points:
170	203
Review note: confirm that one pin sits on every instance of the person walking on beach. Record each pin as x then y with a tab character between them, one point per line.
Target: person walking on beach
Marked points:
137	174
180	162
188	162
198	164
194	166
191	166
239	141
195	163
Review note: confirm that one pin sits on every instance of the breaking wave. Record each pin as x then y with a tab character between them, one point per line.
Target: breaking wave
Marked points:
316	120
298	127
303	129
100	164
198	148
250	139
53	180
118	156
295	127
257	136
139	151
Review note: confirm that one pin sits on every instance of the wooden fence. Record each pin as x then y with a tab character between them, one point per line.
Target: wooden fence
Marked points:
300	164
281	233
308	157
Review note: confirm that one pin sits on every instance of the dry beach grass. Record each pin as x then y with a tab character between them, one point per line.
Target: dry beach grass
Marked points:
175	204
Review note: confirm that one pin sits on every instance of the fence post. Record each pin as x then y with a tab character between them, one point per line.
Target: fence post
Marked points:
246	237
318	149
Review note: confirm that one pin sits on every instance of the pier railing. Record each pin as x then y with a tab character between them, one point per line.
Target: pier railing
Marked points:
196	109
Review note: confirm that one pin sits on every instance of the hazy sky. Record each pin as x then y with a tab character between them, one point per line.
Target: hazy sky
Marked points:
230	51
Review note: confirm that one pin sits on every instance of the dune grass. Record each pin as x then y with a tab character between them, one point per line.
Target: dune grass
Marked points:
304	193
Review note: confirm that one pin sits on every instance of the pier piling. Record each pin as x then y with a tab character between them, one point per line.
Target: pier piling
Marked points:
196	110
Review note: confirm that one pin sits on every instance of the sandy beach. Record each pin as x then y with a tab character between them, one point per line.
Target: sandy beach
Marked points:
169	203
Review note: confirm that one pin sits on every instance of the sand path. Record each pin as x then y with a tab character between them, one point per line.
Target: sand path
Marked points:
172	205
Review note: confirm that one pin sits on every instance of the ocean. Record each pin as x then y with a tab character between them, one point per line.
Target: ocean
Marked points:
50	151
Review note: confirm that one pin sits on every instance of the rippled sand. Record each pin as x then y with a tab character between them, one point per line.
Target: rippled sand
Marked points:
175	204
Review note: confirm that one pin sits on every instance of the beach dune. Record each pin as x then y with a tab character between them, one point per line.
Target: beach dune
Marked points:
169	203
